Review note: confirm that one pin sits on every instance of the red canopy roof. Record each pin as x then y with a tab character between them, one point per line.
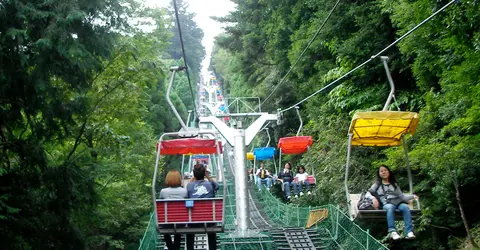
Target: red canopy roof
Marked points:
189	146
295	144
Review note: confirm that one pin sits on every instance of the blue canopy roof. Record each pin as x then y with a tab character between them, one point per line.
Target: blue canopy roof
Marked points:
264	153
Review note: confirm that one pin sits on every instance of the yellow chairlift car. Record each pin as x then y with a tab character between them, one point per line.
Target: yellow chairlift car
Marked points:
380	129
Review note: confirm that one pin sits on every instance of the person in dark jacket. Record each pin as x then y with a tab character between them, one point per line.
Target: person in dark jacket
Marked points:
286	177
391	198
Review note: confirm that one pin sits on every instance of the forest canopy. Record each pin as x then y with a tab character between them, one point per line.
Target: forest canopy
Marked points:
436	73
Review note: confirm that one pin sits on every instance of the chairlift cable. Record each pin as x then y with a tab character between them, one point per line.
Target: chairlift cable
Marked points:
185	58
303	52
372	57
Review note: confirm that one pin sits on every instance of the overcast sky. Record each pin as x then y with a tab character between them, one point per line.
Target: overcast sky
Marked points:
203	10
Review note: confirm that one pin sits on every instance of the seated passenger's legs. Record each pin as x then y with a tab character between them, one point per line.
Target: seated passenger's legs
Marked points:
295	187
190	241
286	186
390	217
307	185
407	217
269	182
258	181
212	241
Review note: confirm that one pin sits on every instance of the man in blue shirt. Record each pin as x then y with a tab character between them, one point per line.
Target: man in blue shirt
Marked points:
201	188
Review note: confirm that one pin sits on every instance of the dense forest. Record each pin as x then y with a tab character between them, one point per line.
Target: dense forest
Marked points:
82	100
436	70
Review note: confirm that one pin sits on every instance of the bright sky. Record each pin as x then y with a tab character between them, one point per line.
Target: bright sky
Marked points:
204	9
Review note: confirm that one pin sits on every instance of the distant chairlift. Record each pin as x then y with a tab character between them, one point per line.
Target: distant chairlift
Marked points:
297	145
380	129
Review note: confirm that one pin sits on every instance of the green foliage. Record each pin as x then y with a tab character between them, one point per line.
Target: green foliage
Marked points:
82	100
435	71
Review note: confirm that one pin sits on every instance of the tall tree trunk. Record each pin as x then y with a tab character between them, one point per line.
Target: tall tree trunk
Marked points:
464	219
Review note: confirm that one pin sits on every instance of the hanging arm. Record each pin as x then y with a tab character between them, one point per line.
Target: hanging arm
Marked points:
169	90
301	121
390	81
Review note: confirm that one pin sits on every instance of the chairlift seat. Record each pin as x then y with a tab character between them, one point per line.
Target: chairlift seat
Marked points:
190	215
295	144
262	154
379	214
382	128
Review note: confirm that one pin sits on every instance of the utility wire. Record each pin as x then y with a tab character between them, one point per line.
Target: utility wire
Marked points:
303	52
372	57
185	58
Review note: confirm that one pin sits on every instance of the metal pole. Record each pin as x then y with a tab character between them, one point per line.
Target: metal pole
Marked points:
269	138
241	181
279	161
169	90
390	80
310	160
254	169
188	118
301	121
183	164
220	165
347	166
409	171
189	164
154	181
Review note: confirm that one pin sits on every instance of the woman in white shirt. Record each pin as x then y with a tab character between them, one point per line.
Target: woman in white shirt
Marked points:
299	180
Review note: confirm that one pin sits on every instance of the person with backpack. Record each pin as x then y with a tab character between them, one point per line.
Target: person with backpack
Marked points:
386	194
263	176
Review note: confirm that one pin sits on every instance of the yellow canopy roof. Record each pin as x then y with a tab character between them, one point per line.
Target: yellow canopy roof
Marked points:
382	128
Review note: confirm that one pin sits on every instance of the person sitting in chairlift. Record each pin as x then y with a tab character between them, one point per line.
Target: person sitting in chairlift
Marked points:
299	180
286	178
201	188
263	176
174	190
391	198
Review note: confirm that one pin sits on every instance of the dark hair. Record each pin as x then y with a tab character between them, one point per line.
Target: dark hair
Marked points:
290	165
199	172
391	176
301	167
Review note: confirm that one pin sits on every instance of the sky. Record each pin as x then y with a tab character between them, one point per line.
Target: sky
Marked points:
203	10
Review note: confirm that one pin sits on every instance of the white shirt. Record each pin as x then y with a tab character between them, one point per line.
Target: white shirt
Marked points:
301	177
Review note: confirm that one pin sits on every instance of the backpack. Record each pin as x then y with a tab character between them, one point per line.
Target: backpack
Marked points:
364	203
367	204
